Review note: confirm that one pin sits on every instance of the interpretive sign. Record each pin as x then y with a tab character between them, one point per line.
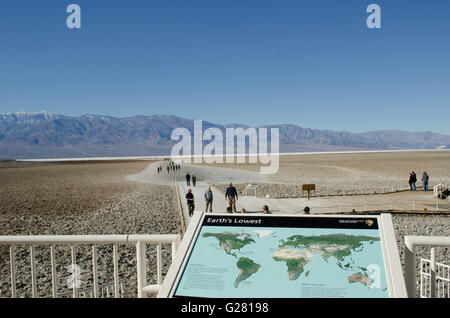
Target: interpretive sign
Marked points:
309	188
288	257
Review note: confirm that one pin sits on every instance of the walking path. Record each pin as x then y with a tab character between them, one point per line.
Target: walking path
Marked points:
407	201
417	200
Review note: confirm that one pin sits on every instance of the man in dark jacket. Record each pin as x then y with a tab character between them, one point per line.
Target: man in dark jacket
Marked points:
425	178
188	179
190	202
231	195
413	180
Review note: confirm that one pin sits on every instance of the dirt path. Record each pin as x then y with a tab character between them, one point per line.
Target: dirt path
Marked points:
206	175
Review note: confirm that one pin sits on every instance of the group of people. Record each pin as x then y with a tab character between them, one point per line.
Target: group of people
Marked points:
191	202
413	179
208	196
231	195
170	167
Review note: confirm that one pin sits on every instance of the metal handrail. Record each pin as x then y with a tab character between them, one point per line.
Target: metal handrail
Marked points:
180	207
141	240
411	243
88	239
432	272
103	287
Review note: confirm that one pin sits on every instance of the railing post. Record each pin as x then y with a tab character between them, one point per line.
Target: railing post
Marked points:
159	264
410	261
12	263
141	268
422	284
33	273
53	264
74	278
116	270
180	207
94	269
433	273
175	244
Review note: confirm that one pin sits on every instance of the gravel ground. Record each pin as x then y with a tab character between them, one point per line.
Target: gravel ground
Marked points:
419	224
345	174
354	187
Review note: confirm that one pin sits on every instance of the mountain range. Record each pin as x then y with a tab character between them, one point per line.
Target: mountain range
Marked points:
47	135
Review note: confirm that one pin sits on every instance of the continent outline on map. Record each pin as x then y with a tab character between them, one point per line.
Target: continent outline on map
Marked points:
297	251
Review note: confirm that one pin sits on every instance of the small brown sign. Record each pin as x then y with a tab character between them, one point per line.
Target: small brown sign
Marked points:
308	187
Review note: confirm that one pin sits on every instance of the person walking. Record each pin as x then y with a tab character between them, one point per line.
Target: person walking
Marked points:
188	179
190	202
425	178
231	195
194	180
168	169
208	200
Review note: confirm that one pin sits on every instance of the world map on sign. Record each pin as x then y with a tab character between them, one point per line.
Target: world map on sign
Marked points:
285	262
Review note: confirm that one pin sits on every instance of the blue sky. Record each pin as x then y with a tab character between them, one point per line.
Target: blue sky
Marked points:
312	63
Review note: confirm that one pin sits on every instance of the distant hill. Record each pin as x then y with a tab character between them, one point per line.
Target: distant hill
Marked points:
46	135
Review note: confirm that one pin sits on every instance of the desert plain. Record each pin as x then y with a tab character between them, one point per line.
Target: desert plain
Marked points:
130	197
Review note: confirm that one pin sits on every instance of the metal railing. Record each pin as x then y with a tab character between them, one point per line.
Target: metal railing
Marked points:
413	206
180	207
434	278
431	272
73	241
105	291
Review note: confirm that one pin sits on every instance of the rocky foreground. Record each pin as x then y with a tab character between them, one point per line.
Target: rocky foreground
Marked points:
422	224
148	210
84	199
